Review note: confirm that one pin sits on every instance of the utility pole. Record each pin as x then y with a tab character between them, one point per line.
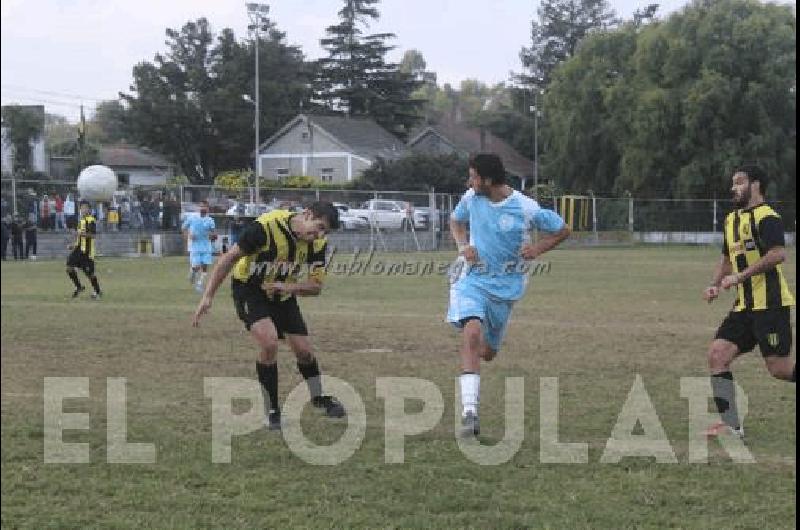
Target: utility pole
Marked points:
256	11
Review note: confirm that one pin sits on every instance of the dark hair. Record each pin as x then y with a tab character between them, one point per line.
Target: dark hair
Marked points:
327	211
203	201
754	174
84	202
488	166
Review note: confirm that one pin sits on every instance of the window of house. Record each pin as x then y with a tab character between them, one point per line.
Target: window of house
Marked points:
326	174
305	137
124	179
282	172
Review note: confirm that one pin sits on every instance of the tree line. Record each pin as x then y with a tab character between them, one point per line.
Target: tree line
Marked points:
646	106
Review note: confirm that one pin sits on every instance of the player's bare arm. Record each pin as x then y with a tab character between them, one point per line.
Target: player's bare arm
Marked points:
774	257
218	275
723	268
546	243
459	231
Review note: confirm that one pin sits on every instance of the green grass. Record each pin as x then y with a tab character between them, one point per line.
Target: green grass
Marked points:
598	318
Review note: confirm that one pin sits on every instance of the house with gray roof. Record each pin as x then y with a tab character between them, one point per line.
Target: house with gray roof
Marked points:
451	136
136	166
329	148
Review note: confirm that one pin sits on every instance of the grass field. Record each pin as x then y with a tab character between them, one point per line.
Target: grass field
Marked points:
598	318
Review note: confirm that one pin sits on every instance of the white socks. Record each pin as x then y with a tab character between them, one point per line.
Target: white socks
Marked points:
470	392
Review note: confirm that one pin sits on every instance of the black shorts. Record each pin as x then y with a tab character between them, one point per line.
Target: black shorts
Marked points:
79	260
252	305
769	328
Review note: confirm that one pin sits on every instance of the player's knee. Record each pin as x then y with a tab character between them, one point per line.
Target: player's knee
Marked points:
472	335
780	367
304	357
719	357
268	352
488	353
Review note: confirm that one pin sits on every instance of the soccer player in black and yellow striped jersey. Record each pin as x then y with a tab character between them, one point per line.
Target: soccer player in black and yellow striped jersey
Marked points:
82	255
752	262
268	263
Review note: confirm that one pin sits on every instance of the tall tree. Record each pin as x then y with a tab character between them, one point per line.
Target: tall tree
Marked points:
356	79
109	124
555	36
668	109
188	103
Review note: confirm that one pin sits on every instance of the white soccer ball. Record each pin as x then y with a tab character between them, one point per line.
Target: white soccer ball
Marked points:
97	183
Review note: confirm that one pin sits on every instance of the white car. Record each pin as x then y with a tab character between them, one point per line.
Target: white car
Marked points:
347	220
384	213
248	210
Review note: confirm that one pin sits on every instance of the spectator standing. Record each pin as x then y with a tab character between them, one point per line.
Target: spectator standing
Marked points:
16	238
31	229
69	211
60	222
5	235
44	209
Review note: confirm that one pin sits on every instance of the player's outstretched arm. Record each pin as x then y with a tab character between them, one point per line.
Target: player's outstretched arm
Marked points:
218	275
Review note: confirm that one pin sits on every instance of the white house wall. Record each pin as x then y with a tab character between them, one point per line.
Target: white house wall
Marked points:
7	152
295	155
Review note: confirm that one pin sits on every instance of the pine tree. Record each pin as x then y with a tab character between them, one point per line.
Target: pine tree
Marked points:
355	78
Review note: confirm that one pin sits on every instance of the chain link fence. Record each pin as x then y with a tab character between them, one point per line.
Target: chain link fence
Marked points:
52	205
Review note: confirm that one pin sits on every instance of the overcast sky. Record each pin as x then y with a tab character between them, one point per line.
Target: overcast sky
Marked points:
62	53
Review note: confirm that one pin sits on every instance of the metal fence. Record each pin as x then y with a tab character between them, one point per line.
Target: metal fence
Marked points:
163	208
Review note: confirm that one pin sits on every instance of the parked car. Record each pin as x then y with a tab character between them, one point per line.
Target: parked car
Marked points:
248	209
382	213
348	220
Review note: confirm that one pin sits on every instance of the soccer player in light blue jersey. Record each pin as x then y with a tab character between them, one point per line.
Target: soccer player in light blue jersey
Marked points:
483	293
199	230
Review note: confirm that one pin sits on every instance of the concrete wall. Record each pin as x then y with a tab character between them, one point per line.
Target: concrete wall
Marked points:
690	238
54	245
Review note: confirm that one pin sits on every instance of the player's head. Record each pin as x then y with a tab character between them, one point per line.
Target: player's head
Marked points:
485	170
317	220
203	208
749	181
84	207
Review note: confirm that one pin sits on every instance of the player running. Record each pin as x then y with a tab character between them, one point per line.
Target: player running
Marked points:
199	230
752	257
482	296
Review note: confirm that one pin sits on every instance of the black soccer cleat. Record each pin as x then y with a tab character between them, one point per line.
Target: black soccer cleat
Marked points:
470	426
333	409
78	291
273	422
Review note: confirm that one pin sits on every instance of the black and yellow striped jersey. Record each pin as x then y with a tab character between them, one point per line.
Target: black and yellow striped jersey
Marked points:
749	235
273	254
87	228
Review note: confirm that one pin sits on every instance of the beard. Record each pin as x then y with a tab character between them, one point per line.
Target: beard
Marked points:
741	200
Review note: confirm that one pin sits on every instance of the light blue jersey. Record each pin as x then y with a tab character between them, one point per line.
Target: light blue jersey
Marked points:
498	230
200	229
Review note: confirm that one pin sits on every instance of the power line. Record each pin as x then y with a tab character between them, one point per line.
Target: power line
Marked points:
52	93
